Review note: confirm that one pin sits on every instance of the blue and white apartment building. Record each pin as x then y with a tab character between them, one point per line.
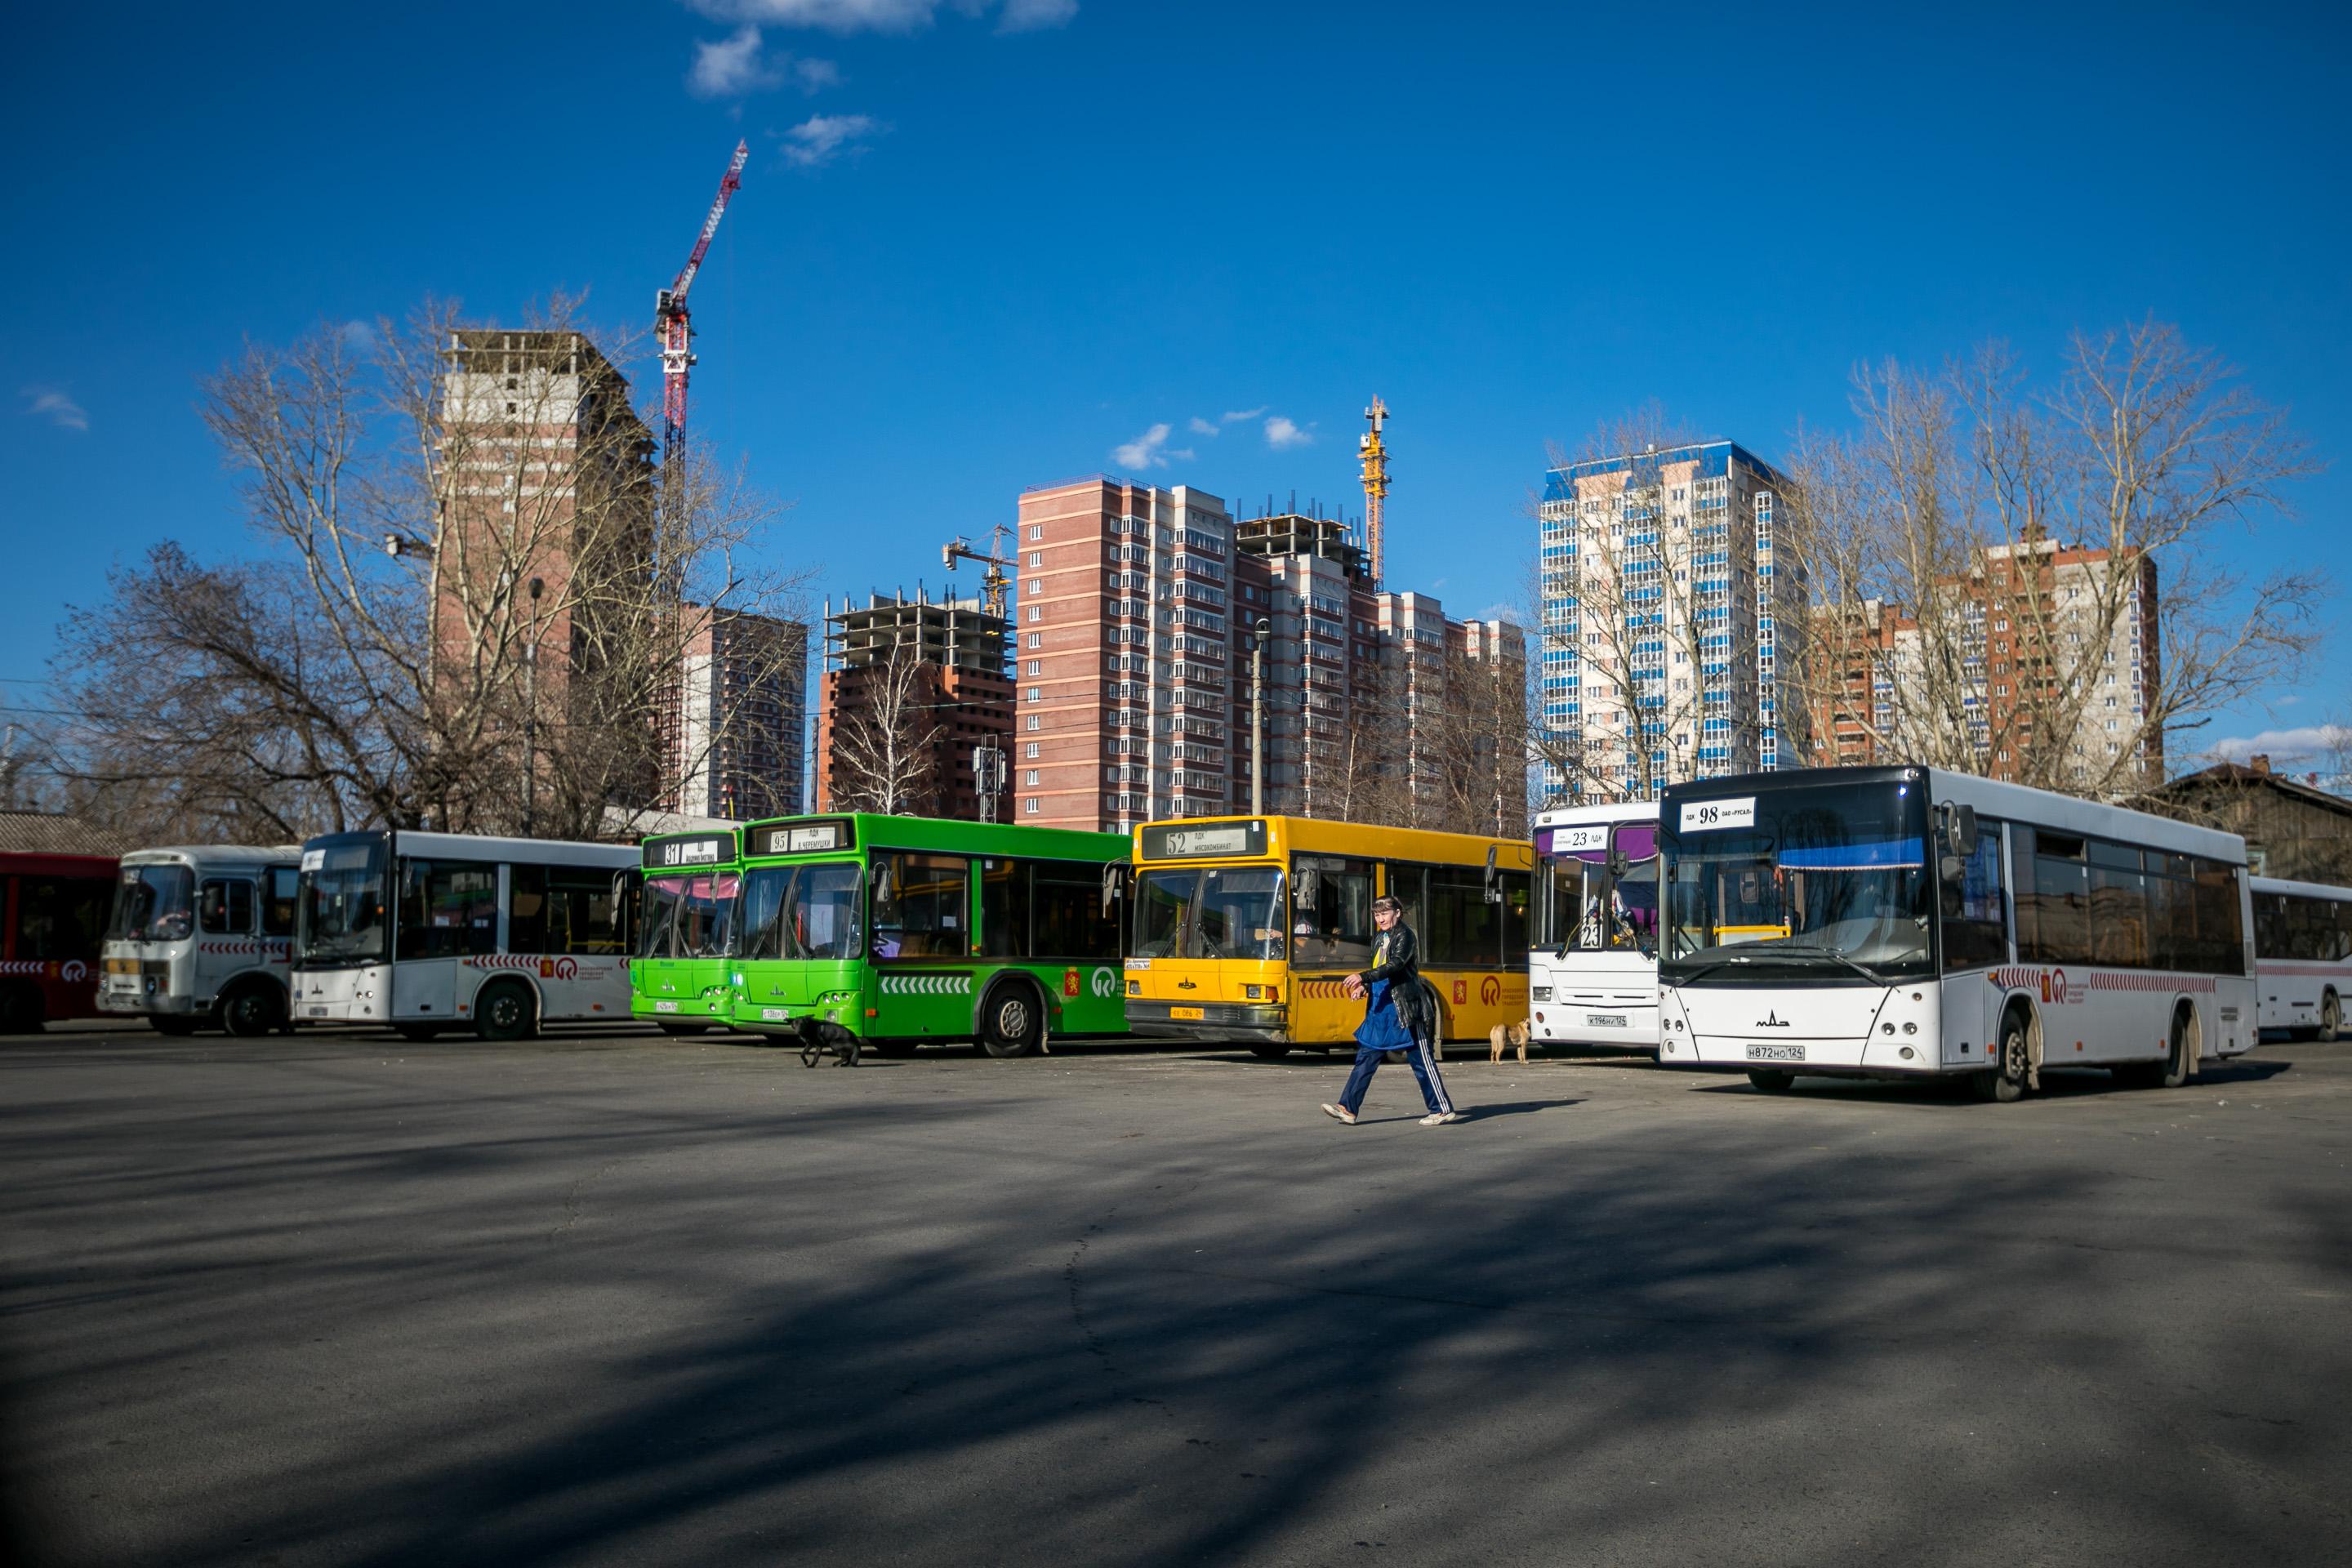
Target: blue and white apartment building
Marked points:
1671	626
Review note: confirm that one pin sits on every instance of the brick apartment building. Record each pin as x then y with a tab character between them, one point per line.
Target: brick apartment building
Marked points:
1133	632
960	698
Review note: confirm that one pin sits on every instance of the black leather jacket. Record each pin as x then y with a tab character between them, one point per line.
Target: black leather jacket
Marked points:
1397	960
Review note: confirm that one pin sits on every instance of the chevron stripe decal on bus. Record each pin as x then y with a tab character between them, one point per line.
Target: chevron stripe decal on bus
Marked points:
927	984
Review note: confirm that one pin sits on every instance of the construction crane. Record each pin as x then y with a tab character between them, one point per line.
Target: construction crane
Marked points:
1376	484
670	322
997	558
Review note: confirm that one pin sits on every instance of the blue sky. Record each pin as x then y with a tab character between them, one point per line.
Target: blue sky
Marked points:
976	252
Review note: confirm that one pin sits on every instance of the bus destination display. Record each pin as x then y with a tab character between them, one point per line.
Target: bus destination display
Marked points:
698	849
1214	838
802	839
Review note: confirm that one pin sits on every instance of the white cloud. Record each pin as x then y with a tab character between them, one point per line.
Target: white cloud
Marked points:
734	66
820	137
1282	434
1144	451
1199	426
1233	415
60	410
886	16
2283	745
358	336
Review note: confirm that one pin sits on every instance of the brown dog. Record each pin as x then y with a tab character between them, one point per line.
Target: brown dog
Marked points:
1503	1035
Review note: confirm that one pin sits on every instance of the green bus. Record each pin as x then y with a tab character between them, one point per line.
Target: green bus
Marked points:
686	916
883	933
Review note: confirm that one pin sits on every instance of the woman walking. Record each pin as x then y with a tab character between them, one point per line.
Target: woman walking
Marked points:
1397	1017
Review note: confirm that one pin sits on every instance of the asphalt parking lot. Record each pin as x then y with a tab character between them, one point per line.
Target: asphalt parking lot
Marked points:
340	1298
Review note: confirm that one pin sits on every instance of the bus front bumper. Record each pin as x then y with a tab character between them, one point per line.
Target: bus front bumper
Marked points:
1605	1025
1267	1022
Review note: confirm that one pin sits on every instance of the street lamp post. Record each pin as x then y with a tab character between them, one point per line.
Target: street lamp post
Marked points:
530	713
1257	716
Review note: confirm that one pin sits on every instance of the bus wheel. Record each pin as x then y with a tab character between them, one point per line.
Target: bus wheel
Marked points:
20	1009
2179	1060
668	1028
1010	1024
417	1032
1771	1080
2006	1083
172	1023
2331	1016
252	1009
1270	1053
503	1012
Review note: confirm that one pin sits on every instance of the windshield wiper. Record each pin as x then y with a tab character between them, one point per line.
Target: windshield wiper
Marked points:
1814	950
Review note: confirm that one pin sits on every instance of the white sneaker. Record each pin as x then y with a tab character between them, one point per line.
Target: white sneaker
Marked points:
1340	1113
1440	1118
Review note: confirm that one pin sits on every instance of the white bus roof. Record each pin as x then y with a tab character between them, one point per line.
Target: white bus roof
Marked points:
2303	889
216	854
483	847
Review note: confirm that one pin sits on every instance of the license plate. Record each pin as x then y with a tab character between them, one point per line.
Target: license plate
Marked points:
1761	1053
1604	1020
665	1006
318	1011
1186	1012
775	1015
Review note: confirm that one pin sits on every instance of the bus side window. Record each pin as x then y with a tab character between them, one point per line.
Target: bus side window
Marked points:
1068	918
1004	907
1331	911
448	908
1464	932
224	908
285	885
1974	923
527	909
920	913
1406	884
1517	885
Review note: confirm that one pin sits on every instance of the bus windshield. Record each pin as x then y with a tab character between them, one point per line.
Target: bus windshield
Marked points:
340	916
1226	911
688	916
154	903
1586	908
1831	880
802	911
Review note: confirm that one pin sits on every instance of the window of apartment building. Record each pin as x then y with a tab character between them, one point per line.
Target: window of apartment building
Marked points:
1036	558
1032	808
1031	778
1032	751
1037	612
1036	531
1033	720
1036	666
1037	694
1036	584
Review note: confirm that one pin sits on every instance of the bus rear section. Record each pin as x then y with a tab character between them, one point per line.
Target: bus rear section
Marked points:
2302	956
1246	929
201	936
681	976
1907	923
53	910
1592	968
862	932
427	932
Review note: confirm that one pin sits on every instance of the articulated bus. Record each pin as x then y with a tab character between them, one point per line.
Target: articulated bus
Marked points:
2303	955
886	933
686	920
427	930
1592	971
203	936
1246	927
52	915
1909	922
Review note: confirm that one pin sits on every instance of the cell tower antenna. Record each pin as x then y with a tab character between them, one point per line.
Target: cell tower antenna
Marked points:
1375	455
670	322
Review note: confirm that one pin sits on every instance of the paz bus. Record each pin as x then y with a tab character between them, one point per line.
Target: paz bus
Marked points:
1909	922
52	914
2303	955
1592	968
1246	927
203	936
424	931
884	932
685	919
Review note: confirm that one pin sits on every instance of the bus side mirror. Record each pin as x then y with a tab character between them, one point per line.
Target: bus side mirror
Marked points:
1960	830
1114	886
1616	862
1953	869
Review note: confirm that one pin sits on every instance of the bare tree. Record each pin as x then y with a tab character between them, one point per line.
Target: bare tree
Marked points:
1482	745
470	606
885	744
1986	559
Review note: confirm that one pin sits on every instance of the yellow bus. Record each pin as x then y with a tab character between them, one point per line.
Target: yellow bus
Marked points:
1246	927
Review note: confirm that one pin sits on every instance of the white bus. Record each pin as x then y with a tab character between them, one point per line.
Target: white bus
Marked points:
199	937
1592	972
2303	955
427	930
1909	922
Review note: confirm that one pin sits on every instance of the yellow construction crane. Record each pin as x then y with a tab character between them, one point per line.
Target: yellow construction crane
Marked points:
996	558
1376	484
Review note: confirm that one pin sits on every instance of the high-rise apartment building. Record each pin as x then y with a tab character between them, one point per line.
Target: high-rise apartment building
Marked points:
912	689
741	707
1135	627
1671	624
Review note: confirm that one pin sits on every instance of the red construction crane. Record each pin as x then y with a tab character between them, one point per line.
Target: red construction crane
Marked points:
670	313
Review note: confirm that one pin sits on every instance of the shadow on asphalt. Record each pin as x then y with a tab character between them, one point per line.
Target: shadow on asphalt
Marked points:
2057	1083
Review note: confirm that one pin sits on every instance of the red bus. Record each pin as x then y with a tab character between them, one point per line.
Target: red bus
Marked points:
53	911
